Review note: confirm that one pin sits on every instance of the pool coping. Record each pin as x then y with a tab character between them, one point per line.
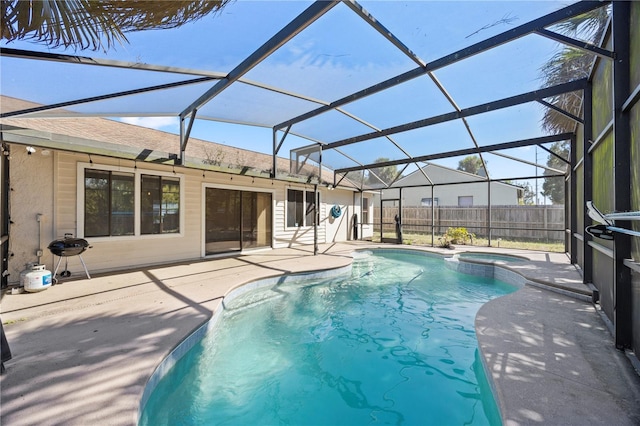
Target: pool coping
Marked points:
503	271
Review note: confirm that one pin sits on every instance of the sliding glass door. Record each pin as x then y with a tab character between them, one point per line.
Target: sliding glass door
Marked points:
256	219
236	220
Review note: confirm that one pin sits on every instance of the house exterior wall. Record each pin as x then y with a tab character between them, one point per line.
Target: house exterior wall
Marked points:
338	229
448	195
365	225
270	189
52	186
32	181
129	251
501	193
292	236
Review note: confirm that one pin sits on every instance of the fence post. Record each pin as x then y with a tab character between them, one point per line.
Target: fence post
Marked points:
433	217
545	221
489	211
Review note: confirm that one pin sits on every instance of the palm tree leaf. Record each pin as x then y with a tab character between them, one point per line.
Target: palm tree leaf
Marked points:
95	24
589	26
570	64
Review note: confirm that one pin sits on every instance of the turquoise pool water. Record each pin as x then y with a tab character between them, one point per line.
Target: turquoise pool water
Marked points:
394	343
491	256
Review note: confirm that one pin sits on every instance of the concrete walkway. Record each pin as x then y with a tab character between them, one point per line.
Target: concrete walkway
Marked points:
84	349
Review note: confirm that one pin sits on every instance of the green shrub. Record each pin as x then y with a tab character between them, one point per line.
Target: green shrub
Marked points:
459	236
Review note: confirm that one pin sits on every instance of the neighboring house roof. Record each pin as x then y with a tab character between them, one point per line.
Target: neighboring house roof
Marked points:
439	175
101	136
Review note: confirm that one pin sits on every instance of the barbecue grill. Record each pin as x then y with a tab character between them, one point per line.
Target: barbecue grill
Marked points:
67	247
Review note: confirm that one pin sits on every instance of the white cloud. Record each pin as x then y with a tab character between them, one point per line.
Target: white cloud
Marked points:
157	123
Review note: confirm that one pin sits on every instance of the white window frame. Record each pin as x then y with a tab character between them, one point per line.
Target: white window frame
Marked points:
304	203
137	172
428	202
466	197
366	200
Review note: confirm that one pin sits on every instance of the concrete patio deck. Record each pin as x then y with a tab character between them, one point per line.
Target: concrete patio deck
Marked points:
84	349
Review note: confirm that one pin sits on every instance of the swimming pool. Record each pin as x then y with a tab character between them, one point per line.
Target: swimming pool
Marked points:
392	343
491	257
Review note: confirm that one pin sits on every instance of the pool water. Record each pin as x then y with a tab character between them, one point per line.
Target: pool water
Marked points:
394	343
491	256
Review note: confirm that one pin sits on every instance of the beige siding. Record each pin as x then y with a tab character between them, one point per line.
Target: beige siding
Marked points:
110	253
322	230
279	219
501	193
365	230
287	237
65	194
340	228
51	186
31	179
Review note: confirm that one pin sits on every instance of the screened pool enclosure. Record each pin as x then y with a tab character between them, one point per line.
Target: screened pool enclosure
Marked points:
392	97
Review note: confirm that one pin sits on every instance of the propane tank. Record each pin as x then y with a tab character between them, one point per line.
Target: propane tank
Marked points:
35	278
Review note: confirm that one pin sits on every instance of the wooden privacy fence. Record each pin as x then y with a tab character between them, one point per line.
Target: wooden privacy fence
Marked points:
521	223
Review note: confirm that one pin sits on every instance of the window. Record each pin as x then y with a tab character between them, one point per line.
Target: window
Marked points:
295	215
300	208
465	201
365	210
108	203
311	208
159	204
429	202
111	198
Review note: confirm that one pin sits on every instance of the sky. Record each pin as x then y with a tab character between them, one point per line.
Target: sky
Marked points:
335	56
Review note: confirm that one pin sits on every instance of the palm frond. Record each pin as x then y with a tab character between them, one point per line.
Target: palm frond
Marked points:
589	26
84	24
570	64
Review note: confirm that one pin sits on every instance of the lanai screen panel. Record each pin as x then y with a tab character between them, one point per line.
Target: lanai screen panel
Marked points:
330	126
506	70
434	29
441	137
335	56
369	151
337	159
413	100
508	124
159	103
244	103
53	82
217	42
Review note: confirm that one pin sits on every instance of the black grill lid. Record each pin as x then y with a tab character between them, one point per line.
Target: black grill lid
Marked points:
68	246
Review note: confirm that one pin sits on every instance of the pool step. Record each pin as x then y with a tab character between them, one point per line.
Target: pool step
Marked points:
520	276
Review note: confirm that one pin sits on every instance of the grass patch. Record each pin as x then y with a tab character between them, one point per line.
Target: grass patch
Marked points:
9	322
425	240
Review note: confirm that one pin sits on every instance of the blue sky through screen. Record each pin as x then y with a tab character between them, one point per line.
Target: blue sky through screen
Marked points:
337	55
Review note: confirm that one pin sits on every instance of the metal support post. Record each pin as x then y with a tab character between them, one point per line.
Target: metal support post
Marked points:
399	221
622	173
316	219
489	211
587	184
569	240
381	218
274	156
